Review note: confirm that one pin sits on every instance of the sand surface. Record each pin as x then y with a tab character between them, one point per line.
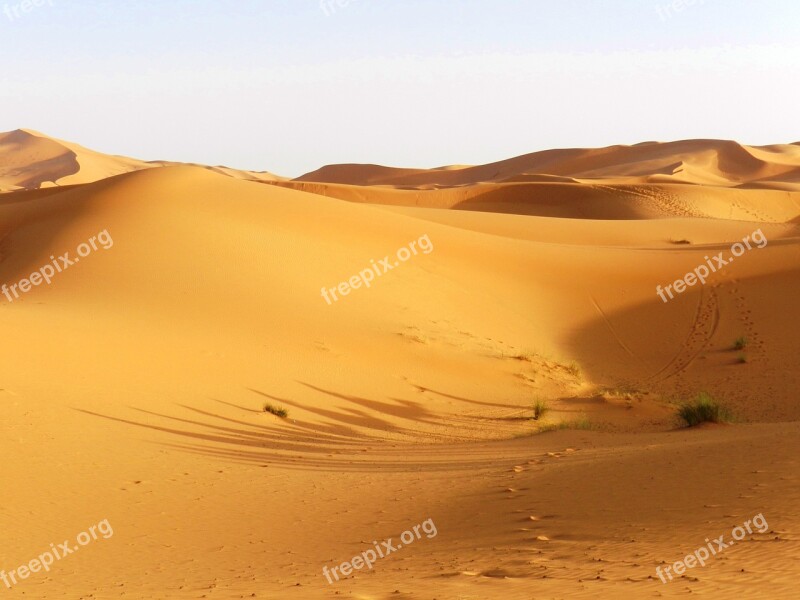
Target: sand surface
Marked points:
133	385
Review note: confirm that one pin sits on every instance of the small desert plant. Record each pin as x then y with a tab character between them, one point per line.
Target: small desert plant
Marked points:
540	409
524	357
740	343
574	369
742	358
278	411
704	409
582	424
625	392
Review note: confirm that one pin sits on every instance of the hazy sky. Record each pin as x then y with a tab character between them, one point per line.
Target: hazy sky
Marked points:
281	85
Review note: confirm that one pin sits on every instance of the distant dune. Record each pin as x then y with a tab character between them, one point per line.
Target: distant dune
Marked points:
29	160
708	162
32	160
696	178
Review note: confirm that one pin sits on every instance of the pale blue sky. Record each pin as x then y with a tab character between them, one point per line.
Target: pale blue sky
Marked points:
279	85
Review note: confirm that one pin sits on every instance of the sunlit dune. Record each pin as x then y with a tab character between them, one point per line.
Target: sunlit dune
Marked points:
136	384
31	160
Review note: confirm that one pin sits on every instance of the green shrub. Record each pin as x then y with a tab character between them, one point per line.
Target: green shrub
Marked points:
540	409
704	409
278	411
581	424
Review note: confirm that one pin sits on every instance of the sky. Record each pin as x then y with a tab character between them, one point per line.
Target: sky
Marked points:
290	85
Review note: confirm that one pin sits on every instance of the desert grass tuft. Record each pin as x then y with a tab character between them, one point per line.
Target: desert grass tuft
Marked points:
740	343
278	411
704	409
582	424
524	357
540	409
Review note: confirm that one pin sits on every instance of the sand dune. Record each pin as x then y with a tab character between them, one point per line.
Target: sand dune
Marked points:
712	162
31	160
606	201
696	178
136	380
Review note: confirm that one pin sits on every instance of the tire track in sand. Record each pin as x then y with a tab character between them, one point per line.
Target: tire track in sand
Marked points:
704	326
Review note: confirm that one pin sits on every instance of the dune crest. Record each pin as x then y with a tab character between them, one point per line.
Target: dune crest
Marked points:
720	162
31	160
694	178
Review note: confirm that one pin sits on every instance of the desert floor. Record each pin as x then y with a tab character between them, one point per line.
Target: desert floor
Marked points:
134	385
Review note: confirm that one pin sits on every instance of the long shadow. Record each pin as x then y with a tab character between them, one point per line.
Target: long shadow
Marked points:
477	402
564	200
355	418
404	409
256	436
300	445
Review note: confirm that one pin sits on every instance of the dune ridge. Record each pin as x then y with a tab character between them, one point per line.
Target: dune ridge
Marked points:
32	160
693	178
716	162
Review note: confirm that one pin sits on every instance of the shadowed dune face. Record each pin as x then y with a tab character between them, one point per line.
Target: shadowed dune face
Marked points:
597	201
693	178
714	162
136	381
29	161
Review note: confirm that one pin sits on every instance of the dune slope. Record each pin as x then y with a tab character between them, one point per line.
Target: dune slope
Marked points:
135	383
32	160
